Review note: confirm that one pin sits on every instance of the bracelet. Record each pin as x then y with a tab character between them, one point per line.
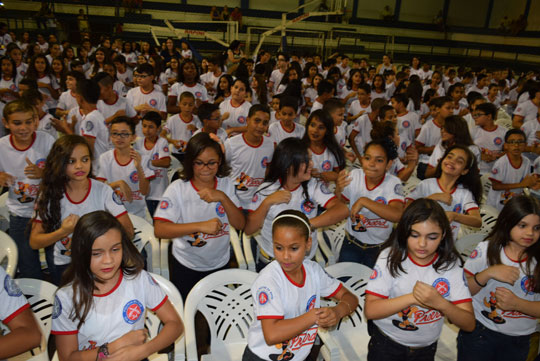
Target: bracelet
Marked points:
477	282
348	306
103	352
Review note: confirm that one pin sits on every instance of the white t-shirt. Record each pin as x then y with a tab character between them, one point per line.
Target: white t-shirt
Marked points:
111	170
208	77
125	77
23	192
439	150
121	103
177	128
356	108
198	90
277	133
511	322
100	197
528	110
67	100
21	70
160	150
45	125
249	165
221	134
407	126
181	204
324	161
462	199
154	98
186	54
77	113
319	195
237	115
505	172
112	315
340	132
363	126
49	100
489	142
415	326
276	296
93	125
429	136
275	78
11	297
530	129
11	85
369	227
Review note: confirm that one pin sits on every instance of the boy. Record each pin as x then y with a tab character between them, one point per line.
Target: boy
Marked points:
249	153
493	95
110	104
473	100
124	169
277	75
180	127
360	133
361	105
512	173
488	136
286	127
325	91
123	72
67	100
23	157
408	123
211	119
456	92
274	110
481	86
46	120
211	78
156	149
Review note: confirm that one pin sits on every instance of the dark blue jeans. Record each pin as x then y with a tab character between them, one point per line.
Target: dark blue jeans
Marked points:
383	348
353	250
28	265
484	344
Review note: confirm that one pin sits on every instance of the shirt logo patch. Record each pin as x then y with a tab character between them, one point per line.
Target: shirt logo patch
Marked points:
264	295
117	198
255	198
442	285
406	124
153	102
166	149
133	310
11	287
457	208
241	119
264	162
263	298
134	177
40	163
164	204
220	210
324	188
57	308
311	303
376	272
326	165
89	126
307	206
474	254
380	200
497	141
398	189
198	94
526	285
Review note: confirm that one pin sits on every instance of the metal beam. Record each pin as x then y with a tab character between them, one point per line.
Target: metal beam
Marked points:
397	10
488	13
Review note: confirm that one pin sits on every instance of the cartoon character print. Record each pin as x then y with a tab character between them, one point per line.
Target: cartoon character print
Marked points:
492	315
405	324
241	182
66	242
506	195
23	190
358	223
285	354
197	240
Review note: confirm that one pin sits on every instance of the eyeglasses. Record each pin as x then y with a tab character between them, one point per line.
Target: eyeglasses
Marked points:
476	115
516	142
210	164
121	135
141	76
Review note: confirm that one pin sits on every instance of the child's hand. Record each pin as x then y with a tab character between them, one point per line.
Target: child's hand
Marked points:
6	179
357	207
124	189
179	144
315	173
442	197
427	295
504	273
278	197
343	179
68	224
225	116
451	216
327	317
529	181
506	299
211	195
135	156
32	171
412	155
192	128
211	226
132	338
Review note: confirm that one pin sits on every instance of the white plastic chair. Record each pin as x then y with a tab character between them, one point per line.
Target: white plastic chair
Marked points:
9	254
153	323
410	185
40	296
349	339
489	216
335	236
144	239
173	168
486	186
4	212
224	299
466	244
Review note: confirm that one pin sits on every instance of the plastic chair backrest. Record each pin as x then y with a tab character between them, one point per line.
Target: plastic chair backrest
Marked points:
489	217
144	238
410	185
224	299
9	254
4	212
466	244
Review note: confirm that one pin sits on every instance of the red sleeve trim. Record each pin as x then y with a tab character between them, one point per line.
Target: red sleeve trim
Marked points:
396	200
151	177
472	209
409	199
88	136
64	332
16	313
494	180
331	199
162	219
468	272
101	179
121	214
336	291
376	294
347	199
166	157
160	304
462	301
270	317
430	166
422	144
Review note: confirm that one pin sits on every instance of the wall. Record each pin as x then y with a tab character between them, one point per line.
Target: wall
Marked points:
420	11
502	8
467	12
373	9
534	16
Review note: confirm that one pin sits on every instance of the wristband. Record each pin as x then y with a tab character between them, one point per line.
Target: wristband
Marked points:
477	282
103	352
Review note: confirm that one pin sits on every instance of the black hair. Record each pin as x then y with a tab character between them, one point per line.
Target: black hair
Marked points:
457	126
181	71
153	117
119	58
388	146
489	109
13	67
220	92
514	132
206	110
290	218
365	87
438	102
383	86
286	101
333	104
145	69
329	139
325	87
103	78
258	108
414	91
196	145
401	98
351	74
75	74
30	82
123	119
88	90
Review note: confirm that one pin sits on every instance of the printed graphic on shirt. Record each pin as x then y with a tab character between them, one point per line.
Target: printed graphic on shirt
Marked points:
286	349
26	192
413	316
492	314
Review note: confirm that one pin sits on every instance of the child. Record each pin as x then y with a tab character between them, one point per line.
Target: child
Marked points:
180	127
188	80
21	169
118	86
472	101
512	173
234	111
361	105
360	133
408	122
488	136
456	187
8	81
527	110
325	91
40	70
124	169
196	213
66	193
100	308
286	127
18	317
156	149
311	93
375	201
46	121
124	72
416	282
500	273
456	92
67	99
378	87
493	95
110	103
249	154
327	156
481	86
285	327
224	89
211	119
336	110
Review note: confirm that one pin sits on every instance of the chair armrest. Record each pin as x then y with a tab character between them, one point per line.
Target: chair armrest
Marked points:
237	248
330	350
248	252
330	256
164	257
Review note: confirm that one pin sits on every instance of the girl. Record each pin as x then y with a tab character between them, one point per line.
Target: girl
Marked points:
100	58
334	76
99	313
408	314
284	288
435	84
386	65
169	52
234	111
59	73
378	88
127	52
289	185
82	56
234	56
310	70
68	191
224	88
196	211
327	156
146	50
456	187
68	55
40	70
159	74
9	89
259	89
290	74
188	80
172	71
500	274
375	200
310	94
16	54
414	93
349	94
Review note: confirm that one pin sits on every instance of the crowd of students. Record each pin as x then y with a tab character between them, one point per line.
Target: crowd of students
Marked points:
269	146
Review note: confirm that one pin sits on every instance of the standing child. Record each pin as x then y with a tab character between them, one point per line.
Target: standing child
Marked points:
234	111
124	169
488	136
408	123
21	169
196	213
286	127
416	282
500	274
100	308
287	294
66	193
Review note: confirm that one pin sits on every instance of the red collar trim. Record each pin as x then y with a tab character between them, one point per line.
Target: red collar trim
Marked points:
115	100
421	265
294	283
370	189
513	260
85	196
117	161
282	127
252	146
25	149
196	189
314	152
512	164
182	118
440	187
115	286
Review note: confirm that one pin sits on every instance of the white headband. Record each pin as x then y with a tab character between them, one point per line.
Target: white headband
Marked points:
292	216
